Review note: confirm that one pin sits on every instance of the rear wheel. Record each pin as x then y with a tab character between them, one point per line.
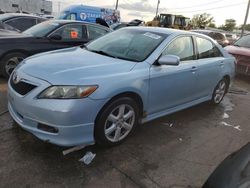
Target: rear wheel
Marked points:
116	122
220	91
9	63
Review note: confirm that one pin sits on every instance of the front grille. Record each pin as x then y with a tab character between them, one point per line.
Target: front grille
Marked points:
22	87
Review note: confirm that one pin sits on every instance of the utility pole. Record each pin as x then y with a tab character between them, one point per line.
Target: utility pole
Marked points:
116	5
158	2
245	21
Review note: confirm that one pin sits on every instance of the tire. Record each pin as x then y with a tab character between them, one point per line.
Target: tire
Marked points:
111	127
9	63
220	91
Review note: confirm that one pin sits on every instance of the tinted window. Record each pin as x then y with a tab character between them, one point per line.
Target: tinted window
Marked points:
70	32
181	47
217	36
95	32
243	41
206	48
21	23
130	44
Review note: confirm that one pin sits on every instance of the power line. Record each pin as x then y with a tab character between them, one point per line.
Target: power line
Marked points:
200	5
236	4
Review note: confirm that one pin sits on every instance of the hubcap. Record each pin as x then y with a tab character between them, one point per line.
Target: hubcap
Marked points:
220	92
119	123
12	63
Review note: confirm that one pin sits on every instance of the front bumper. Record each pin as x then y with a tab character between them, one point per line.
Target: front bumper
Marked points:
73	119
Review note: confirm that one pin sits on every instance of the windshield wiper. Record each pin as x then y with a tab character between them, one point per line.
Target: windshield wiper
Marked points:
102	53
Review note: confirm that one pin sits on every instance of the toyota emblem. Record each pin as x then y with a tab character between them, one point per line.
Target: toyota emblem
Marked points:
15	78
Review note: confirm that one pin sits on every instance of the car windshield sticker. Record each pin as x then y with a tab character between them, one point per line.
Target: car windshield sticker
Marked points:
152	35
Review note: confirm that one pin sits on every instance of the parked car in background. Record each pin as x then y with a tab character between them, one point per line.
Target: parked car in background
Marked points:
241	51
219	37
134	22
233	172
99	93
20	21
46	36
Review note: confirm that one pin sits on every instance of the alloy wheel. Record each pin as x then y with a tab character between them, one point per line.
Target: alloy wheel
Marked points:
119	123
220	91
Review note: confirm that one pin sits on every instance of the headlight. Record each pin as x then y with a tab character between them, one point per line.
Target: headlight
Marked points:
67	92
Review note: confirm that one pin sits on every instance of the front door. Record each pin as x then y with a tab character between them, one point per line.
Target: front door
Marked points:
171	86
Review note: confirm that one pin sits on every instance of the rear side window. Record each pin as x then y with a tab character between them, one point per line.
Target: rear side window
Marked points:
181	47
217	36
95	32
71	32
206	49
21	23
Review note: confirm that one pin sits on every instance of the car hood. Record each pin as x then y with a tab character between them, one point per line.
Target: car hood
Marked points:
73	66
238	50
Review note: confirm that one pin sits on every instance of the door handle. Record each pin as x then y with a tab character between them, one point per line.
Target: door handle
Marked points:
222	63
194	68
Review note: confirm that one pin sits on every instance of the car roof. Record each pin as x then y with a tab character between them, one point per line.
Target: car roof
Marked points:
169	31
162	30
7	16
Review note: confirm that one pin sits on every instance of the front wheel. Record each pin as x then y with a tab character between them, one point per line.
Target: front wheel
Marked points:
9	63
220	91
116	122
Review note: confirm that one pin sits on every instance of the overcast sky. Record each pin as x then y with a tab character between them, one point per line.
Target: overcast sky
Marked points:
145	9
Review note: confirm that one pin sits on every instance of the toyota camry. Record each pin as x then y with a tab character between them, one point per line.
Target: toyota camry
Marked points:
100	92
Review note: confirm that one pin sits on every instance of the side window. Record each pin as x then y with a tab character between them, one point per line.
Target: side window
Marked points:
206	49
95	32
71	32
181	47
21	23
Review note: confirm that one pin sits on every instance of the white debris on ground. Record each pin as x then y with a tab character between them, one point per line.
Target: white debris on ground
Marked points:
88	158
237	127
227	104
168	124
76	148
225	116
180	139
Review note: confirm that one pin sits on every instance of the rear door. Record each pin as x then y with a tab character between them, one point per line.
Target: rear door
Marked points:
210	65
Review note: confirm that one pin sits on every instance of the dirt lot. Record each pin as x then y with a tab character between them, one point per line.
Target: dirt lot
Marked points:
179	150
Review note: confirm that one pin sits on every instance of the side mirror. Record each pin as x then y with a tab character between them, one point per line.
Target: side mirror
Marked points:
55	37
169	60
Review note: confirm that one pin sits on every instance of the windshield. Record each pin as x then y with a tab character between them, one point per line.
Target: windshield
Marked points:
243	41
42	29
129	44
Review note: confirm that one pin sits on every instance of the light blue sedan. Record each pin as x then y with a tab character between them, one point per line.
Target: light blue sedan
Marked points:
100	92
